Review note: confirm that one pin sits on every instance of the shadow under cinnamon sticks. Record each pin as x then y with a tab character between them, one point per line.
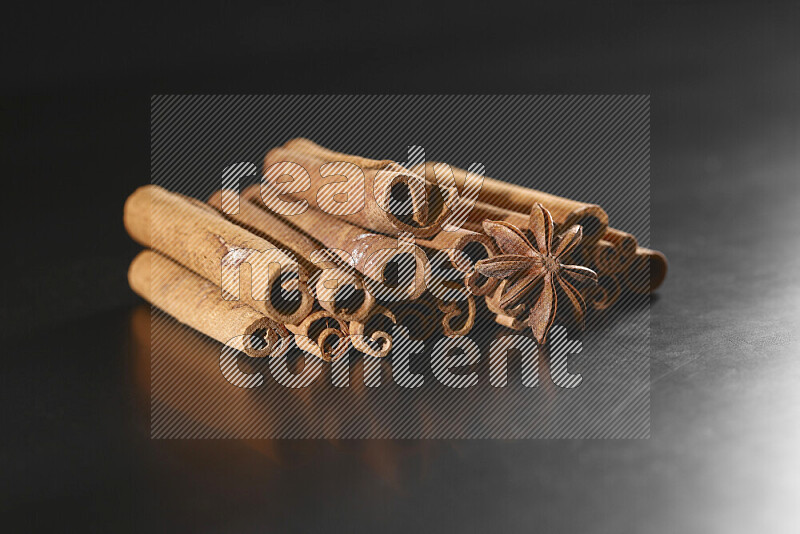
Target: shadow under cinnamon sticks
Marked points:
190	357
190	397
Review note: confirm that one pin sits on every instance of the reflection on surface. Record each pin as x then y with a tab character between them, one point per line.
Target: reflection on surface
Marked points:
190	397
201	378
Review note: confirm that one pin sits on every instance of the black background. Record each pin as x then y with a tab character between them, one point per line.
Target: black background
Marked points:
725	82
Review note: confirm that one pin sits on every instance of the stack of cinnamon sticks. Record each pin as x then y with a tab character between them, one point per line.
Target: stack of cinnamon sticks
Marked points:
332	249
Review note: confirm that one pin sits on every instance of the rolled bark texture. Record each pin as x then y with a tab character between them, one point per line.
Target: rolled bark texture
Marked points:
370	338
361	191
198	303
338	287
624	242
322	334
199	238
367	252
646	272
565	212
604	257
461	245
606	293
503	201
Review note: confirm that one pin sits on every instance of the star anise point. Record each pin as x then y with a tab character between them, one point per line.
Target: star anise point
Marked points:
524	267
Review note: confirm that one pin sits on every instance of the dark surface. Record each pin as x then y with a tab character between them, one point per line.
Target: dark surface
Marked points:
723	456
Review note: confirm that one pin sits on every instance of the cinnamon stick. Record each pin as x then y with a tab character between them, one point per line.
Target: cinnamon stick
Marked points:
429	315
320	333
472	245
624	242
565	212
606	293
459	316
342	292
339	289
270	227
646	272
193	234
315	333
503	201
604	257
417	316
371	338
198	303
482	211
367	252
382	181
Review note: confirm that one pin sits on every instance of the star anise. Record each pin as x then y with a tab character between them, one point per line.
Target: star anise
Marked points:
524	267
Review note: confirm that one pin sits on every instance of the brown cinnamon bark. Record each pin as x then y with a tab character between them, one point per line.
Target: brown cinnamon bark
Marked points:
198	303
193	234
646	272
604	257
510	322
417	316
482	211
368	252
342	291
624	242
381	180
272	228
322	334
339	288
475	247
428	316
503	201
606	293
459	316
565	212
371	338
641	270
